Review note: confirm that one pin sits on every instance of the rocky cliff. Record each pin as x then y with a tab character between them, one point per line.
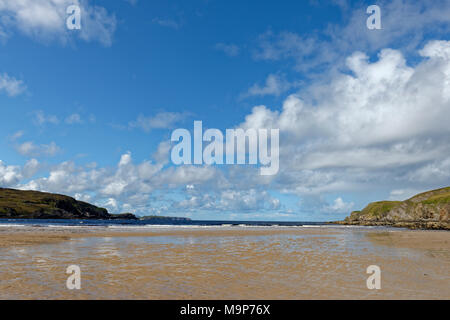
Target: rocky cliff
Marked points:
428	210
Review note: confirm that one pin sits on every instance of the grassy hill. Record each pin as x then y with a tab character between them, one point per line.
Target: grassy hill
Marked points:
20	204
428	210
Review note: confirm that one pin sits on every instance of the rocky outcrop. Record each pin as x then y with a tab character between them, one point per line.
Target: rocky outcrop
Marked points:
124	216
428	210
162	218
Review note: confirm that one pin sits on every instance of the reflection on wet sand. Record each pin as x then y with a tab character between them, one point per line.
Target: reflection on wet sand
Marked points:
230	263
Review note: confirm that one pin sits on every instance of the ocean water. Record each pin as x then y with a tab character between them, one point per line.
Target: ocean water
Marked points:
152	222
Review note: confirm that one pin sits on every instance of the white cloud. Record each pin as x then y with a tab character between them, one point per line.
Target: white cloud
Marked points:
229	201
74	118
45	20
162	153
231	50
180	176
436	172
128	184
41	119
170	23
249	200
17	135
275	85
9	175
403	194
132	2
11	86
111	204
405	25
29	149
30	168
83	197
162	120
376	120
339	206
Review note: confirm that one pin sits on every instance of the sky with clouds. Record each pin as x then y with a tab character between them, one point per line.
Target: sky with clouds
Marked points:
363	114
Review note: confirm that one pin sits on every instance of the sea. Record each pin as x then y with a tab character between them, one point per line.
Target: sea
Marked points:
152	222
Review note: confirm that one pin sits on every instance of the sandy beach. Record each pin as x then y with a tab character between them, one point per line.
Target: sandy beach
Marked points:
223	263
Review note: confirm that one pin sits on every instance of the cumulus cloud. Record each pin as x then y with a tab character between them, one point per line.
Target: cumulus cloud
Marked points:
229	200
128	184
248	200
162	153
30	168
45	20
11	86
11	176
83	197
437	171
405	25
375	120
339	206
111	204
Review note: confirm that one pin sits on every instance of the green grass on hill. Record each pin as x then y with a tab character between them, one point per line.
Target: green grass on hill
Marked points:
430	199
438	199
24	204
424	196
27	202
380	208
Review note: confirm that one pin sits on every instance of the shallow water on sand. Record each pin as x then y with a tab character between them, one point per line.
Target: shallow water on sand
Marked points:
297	263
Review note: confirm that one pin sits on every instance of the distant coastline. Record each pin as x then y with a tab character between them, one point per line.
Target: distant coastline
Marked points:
27	204
164	218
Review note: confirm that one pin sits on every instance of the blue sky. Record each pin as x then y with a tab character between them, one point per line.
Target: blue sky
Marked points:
89	112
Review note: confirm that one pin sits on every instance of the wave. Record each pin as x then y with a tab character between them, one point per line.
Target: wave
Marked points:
7	225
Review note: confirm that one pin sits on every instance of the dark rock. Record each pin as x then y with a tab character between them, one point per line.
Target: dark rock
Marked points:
123	216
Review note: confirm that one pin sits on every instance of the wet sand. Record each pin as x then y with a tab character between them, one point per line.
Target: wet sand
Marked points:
224	263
